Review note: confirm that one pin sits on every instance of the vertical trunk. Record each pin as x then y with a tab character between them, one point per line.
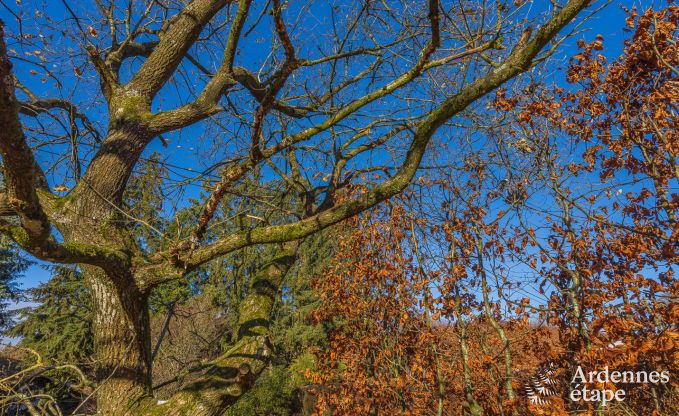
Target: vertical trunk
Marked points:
575	289
509	374
255	310
440	381
573	296
474	407
100	192
123	346
120	310
122	342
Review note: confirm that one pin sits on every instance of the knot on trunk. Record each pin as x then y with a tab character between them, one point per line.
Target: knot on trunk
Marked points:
245	377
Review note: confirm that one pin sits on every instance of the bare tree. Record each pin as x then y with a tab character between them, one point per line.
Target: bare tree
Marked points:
374	85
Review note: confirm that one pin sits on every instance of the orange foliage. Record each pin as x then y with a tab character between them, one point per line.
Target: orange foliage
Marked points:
417	318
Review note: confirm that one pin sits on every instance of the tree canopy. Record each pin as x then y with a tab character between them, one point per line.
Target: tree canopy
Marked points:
187	159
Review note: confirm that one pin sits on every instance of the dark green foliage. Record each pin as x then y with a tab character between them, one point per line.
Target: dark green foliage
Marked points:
144	198
12	264
59	328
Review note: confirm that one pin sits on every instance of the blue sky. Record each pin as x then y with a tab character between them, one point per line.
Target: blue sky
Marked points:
608	23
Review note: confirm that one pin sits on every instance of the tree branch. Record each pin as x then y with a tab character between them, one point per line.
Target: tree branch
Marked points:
172	48
19	163
42	105
228	377
21	172
207	102
518	61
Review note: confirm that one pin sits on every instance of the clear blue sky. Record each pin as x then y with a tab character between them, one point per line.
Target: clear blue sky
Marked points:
608	23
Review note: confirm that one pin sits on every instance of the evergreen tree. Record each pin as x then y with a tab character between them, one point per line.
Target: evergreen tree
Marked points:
12	264
59	328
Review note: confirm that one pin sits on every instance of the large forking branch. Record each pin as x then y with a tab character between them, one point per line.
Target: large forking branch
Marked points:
234	173
131	122
171	50
207	102
227	76
162	57
26	188
166	266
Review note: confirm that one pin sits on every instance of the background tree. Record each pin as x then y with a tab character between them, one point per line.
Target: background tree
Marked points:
549	246
59	328
408	324
12	264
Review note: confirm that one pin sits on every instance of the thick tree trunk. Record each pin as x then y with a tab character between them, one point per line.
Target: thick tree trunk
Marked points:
122	341
91	216
123	346
100	192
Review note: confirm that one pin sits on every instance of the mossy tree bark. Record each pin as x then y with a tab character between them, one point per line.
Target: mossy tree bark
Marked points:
226	378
